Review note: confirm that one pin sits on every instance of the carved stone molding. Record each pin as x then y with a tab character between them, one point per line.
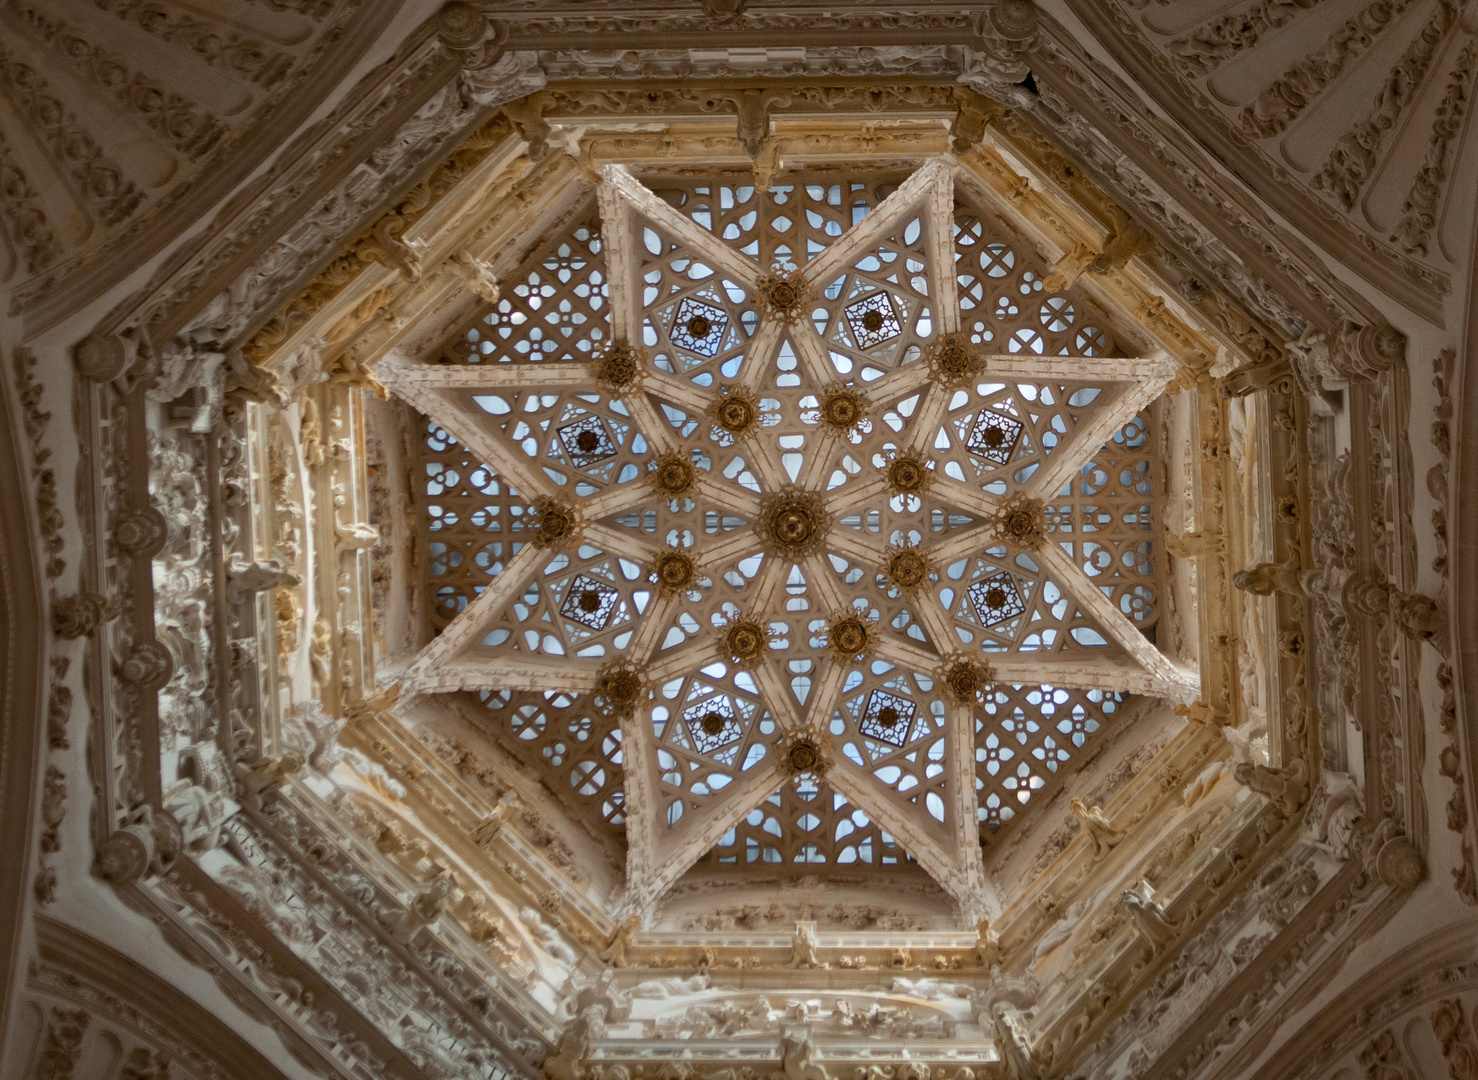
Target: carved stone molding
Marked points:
81	997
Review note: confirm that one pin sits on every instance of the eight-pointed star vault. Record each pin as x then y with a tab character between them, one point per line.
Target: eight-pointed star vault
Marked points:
796	499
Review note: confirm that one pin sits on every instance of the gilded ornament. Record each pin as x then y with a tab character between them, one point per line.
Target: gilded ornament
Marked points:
908	473
907	568
849	636
618	367
954	361
674	475
620	688
734	412
792	523
745	641
803	755
675	571
784	294
555	523
1020	521
964	680
842	410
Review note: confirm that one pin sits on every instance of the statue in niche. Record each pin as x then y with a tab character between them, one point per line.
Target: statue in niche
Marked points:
1014	1041
661	989
492	825
258	781
423	910
1265	579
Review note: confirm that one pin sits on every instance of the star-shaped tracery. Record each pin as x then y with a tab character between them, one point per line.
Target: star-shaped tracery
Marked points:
795	497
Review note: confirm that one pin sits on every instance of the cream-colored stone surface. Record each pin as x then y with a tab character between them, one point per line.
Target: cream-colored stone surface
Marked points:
294	785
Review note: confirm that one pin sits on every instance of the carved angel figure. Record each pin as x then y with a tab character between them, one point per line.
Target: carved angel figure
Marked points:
569	1057
615	950
795	1057
1264	579
987	944
1101	832
803	948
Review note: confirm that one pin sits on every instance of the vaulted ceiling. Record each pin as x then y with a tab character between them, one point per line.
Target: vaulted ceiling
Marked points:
706	540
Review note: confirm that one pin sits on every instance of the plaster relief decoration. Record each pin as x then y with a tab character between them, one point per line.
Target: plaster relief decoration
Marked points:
119	116
1355	113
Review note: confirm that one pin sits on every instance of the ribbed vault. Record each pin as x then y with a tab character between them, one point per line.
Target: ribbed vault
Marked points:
825	488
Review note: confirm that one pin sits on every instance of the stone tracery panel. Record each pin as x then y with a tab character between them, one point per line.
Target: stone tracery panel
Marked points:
765	383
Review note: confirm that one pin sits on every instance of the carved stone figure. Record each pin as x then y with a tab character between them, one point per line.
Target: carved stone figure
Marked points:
199	811
1264	579
661	989
490	826
803	947
796	1053
477	274
1014	1041
255	782
987	944
547	936
1337	805
615	950
81	614
1424	619
1100	831
245	578
1286	787
423	910
1147	914
569	1058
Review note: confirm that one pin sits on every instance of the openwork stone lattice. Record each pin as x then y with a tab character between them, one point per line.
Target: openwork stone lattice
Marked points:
839	444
